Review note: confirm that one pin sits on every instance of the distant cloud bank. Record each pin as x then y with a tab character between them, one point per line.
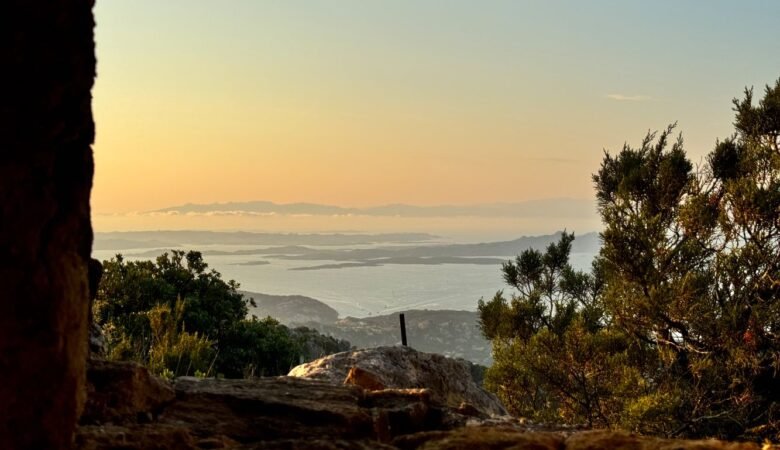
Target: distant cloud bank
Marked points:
629	98
550	208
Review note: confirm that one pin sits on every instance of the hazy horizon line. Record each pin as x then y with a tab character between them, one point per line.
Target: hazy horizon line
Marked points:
551	207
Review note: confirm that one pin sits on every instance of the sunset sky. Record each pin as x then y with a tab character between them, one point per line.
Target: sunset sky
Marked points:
358	103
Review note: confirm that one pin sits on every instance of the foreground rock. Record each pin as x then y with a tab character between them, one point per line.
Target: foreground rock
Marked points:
509	438
123	391
132	410
129	409
449	381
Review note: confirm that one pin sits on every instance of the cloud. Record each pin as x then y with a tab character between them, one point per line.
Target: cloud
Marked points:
552	160
629	98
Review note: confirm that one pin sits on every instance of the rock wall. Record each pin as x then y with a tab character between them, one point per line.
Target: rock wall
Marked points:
46	165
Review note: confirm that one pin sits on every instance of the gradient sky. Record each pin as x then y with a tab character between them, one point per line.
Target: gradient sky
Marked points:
356	102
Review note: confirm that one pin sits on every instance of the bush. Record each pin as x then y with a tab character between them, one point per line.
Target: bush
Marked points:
180	318
173	350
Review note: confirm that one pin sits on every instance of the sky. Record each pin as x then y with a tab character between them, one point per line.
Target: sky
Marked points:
359	103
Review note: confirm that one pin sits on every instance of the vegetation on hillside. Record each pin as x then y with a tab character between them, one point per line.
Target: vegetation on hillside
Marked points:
675	329
180	318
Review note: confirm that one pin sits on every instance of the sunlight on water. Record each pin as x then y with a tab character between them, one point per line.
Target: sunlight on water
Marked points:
363	291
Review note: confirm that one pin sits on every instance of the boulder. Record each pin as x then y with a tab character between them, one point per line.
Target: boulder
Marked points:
123	392
365	379
269	408
449	381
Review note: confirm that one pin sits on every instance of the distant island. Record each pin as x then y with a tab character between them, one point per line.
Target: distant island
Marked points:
122	240
416	248
434	260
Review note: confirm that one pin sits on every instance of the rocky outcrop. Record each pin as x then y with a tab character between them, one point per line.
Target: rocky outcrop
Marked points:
123	392
449	381
46	131
128	408
142	412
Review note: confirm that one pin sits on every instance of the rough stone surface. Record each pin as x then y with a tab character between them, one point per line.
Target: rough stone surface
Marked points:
137	437
46	166
269	408
449	380
363	378
318	444
486	438
209	413
121	392
294	413
509	438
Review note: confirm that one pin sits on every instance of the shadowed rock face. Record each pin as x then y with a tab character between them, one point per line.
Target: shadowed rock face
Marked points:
117	390
46	130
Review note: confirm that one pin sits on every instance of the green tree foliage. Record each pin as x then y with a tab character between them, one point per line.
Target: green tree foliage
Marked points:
128	290
179	317
314	345
258	348
676	328
556	355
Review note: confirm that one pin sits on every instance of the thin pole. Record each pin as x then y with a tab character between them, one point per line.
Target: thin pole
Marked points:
403	330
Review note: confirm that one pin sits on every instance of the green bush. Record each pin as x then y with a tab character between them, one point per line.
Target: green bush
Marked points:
179	318
173	350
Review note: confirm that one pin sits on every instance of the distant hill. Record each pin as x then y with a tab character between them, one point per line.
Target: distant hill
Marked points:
479	253
448	332
292	310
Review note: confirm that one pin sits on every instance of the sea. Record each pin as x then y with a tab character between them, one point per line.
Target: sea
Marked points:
356	291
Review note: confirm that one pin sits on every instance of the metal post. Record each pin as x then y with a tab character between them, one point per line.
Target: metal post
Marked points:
403	330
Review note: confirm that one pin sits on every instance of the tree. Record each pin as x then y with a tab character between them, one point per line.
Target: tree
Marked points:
682	306
556	355
257	348
128	290
693	259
